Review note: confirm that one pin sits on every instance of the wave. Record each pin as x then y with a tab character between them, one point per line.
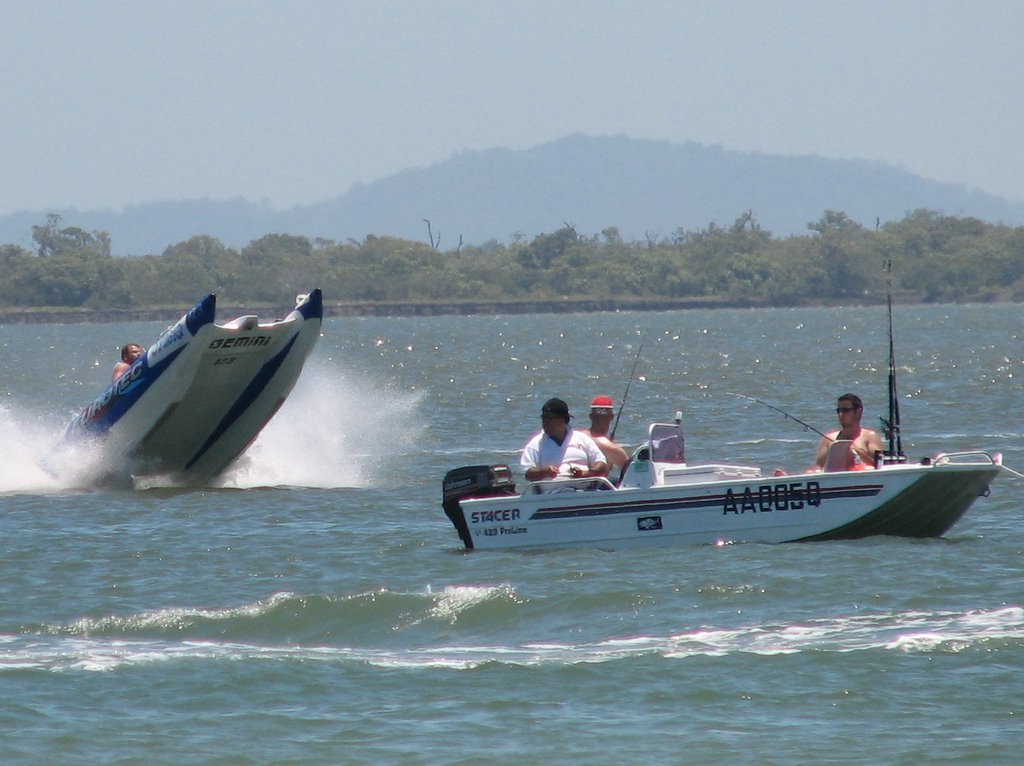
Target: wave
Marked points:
418	630
31	463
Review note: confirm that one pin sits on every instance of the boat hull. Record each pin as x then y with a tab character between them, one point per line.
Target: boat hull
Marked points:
905	500
201	394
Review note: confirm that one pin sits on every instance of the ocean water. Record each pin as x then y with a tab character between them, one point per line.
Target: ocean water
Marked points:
316	608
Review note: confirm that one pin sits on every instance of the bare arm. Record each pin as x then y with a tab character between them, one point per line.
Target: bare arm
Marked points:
614	454
868	445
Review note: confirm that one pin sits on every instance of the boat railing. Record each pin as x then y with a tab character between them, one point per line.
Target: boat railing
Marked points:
569	484
969	457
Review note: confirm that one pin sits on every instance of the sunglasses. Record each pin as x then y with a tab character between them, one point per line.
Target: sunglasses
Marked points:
841	410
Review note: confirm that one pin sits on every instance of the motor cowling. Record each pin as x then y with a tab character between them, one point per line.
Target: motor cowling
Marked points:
473	481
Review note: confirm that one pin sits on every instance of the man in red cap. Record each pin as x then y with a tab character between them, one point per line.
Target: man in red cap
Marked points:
601	412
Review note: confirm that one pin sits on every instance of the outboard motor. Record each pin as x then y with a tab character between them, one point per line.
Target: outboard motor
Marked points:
473	481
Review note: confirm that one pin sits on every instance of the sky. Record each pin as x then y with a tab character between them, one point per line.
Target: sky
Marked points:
107	104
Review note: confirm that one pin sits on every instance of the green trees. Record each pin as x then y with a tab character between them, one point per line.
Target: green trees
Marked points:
53	241
847	255
935	257
73	268
16	264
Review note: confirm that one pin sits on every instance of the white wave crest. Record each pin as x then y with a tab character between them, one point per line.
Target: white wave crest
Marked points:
902	632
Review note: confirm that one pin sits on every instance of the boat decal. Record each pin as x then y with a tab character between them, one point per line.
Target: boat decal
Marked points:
248	396
504	514
789	496
108	408
243	341
500	531
100	416
765	498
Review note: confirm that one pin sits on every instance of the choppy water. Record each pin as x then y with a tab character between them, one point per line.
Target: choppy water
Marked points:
317	608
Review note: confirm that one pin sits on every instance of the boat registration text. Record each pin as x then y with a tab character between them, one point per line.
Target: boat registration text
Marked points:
789	496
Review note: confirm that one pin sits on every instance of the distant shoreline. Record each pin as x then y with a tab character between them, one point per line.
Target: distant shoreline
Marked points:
407	309
375	309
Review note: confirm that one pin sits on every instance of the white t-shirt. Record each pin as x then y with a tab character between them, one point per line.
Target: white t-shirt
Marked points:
576	449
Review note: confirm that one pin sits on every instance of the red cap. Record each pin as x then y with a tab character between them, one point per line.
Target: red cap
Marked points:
601	401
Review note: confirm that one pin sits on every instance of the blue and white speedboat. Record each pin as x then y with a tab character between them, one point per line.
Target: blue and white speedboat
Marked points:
199	396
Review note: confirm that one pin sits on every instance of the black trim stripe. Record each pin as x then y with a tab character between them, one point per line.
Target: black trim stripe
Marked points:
248	396
655	505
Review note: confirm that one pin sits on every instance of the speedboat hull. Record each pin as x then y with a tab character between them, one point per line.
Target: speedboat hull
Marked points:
201	394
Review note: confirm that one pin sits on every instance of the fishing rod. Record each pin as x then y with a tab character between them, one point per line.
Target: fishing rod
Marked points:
781	412
632	374
892	425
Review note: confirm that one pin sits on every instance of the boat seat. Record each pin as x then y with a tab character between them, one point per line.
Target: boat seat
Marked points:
839	456
248	322
667	445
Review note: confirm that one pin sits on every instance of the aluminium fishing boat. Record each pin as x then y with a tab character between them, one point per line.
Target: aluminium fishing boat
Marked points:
662	500
199	396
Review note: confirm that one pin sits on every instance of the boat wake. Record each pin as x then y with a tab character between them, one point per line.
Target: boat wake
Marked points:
317	439
29	439
386	629
320	437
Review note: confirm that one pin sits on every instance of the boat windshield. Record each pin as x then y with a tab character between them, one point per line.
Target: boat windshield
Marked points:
667	444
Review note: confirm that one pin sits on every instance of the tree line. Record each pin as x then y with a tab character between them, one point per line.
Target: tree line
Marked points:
934	257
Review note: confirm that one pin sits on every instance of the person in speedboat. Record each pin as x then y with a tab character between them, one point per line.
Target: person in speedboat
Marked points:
864	441
129	353
601	411
559	449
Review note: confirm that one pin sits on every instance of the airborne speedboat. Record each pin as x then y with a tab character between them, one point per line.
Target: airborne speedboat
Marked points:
662	500
199	396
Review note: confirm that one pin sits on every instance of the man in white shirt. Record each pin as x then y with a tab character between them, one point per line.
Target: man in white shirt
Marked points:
559	450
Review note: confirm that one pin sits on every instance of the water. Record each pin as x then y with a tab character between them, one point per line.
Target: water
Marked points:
316	607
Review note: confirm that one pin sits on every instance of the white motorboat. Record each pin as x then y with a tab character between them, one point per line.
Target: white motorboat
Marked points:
199	396
662	500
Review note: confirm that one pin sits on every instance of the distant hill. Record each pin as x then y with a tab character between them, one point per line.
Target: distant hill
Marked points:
644	188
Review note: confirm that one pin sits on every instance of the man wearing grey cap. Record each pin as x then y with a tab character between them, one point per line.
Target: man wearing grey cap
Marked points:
559	450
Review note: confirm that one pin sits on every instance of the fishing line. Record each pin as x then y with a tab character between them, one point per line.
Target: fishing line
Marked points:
1013	472
632	374
781	412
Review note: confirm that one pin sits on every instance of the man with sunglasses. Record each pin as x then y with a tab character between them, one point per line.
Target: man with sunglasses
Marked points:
864	441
